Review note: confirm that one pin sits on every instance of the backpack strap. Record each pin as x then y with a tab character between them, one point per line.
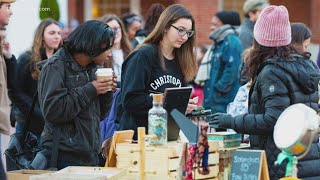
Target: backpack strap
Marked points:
28	121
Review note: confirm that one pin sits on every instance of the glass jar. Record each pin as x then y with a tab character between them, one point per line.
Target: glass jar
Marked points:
157	122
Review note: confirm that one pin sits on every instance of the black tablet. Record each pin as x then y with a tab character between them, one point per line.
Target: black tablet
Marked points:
175	98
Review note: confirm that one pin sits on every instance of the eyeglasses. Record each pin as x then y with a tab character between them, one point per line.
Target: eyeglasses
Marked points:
182	32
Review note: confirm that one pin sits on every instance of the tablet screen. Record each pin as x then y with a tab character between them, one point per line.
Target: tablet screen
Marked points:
175	98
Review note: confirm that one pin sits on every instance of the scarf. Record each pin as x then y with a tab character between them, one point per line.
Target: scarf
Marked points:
217	36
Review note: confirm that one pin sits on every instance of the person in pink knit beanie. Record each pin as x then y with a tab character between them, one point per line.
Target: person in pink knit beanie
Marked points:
281	77
272	28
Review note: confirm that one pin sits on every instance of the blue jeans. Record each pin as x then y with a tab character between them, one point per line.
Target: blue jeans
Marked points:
19	127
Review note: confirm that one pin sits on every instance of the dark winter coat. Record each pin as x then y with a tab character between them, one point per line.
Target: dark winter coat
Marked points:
69	101
280	84
11	74
246	33
24	89
223	84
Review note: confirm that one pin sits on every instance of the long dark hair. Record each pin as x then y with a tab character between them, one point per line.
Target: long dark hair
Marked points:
90	38
184	55
124	43
299	33
260	54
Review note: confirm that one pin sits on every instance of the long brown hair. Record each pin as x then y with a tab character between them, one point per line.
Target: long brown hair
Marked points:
184	55
260	54
152	16
124	43
37	45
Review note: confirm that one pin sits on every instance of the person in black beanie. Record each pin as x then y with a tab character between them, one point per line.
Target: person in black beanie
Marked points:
229	17
218	70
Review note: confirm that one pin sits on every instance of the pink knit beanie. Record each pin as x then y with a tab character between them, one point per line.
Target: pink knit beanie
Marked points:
272	28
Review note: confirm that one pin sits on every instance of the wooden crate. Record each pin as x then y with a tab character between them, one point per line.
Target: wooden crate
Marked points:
162	162
83	173
214	170
25	174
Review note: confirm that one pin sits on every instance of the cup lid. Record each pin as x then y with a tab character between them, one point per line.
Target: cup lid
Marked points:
104	71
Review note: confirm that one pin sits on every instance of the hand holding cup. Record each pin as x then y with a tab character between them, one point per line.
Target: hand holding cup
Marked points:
106	81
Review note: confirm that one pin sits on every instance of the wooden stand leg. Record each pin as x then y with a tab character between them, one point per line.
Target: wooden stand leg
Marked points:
141	135
226	173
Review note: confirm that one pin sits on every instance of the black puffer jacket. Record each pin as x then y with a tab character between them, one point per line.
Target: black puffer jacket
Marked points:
280	84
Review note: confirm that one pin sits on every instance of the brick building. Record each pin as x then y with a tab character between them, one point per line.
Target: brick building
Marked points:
203	10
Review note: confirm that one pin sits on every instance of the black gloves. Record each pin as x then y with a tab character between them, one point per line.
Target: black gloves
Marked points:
220	120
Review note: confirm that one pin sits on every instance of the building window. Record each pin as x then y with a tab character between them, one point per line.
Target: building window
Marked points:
235	5
101	7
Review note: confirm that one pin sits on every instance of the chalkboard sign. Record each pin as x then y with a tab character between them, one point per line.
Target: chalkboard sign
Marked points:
249	165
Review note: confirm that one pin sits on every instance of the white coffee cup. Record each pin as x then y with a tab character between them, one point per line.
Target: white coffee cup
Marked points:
103	73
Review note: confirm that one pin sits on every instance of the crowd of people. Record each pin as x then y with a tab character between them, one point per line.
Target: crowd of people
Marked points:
247	77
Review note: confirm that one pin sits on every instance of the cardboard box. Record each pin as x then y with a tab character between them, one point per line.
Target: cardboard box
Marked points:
24	174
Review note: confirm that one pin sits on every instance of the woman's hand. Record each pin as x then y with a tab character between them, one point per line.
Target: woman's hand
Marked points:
192	105
104	85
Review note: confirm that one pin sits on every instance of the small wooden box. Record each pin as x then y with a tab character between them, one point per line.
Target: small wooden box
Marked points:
162	162
226	139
